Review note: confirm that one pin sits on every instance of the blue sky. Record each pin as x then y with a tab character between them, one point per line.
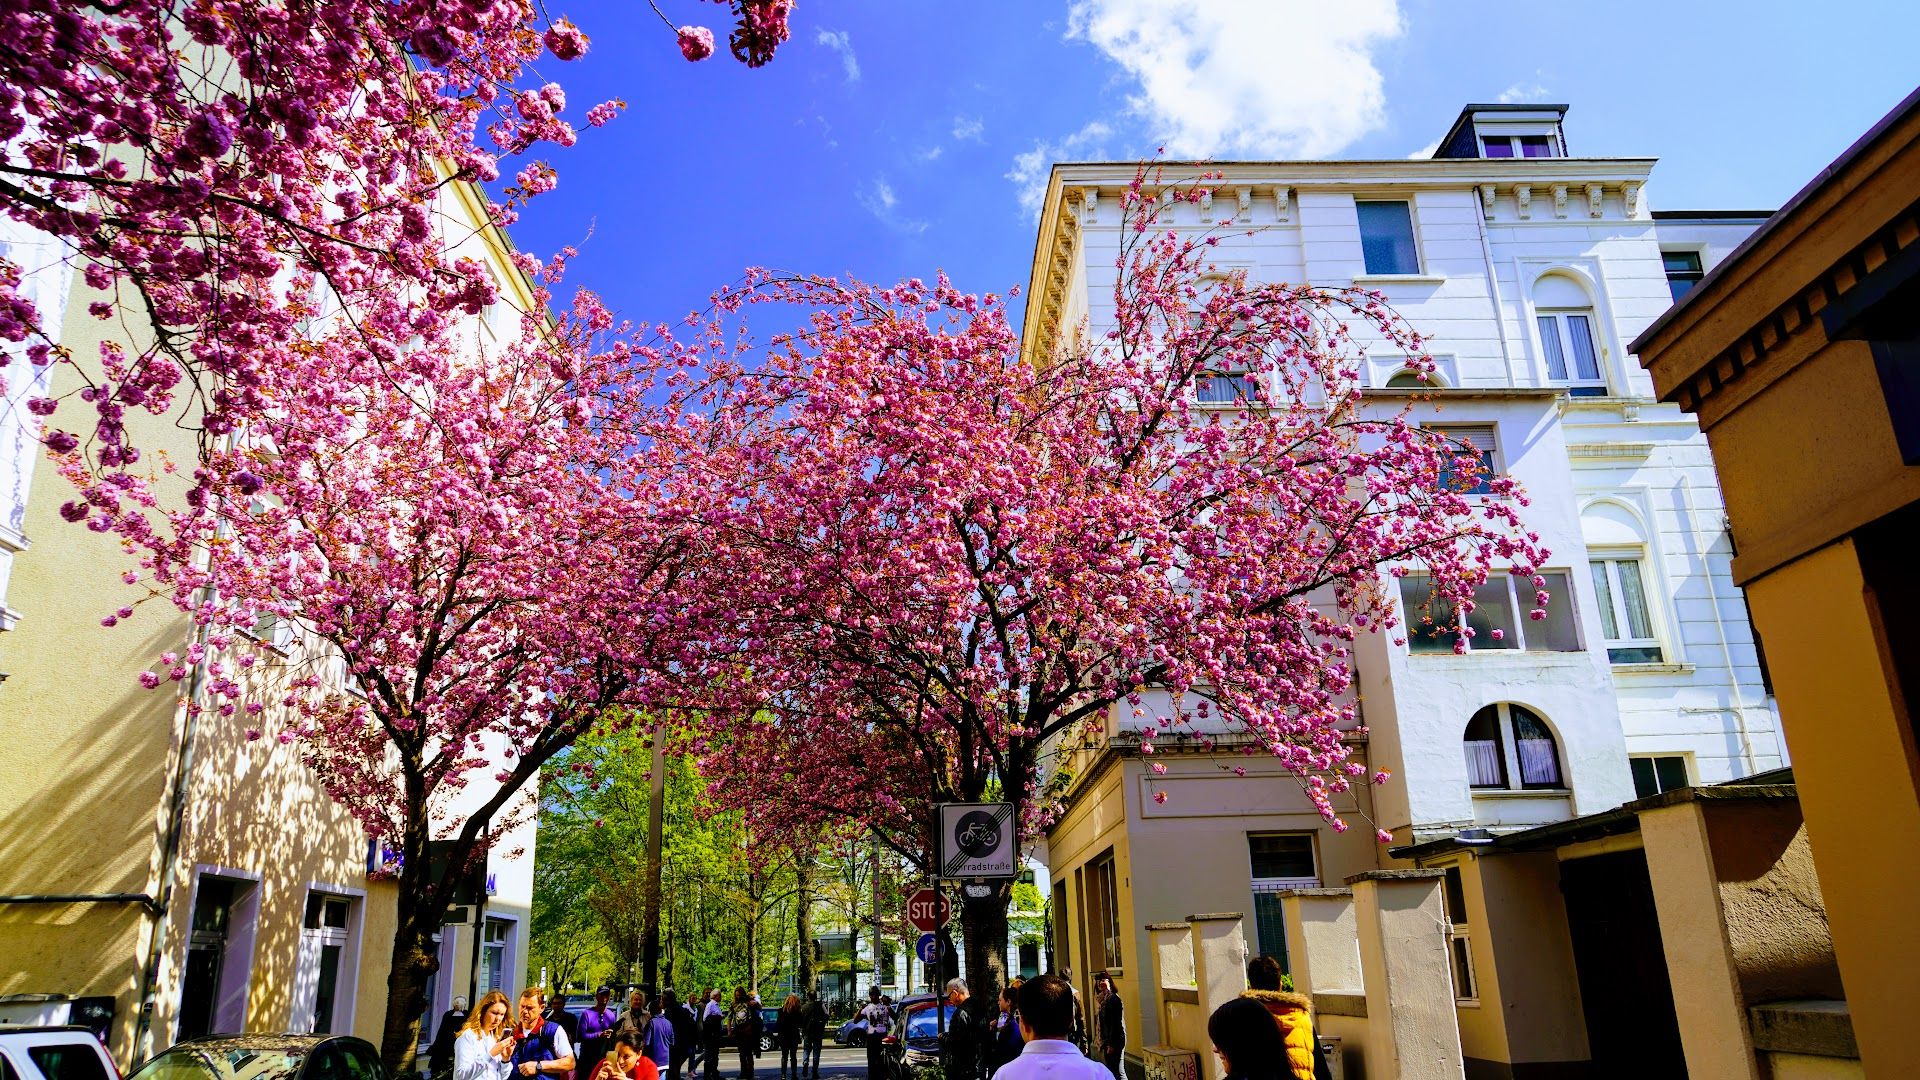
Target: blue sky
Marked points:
895	138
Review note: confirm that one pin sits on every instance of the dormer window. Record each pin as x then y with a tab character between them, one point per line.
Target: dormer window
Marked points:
1527	146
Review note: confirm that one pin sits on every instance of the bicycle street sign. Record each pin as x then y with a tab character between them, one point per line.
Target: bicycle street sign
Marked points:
978	840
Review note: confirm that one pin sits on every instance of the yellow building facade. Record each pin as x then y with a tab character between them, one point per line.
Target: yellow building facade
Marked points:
160	875
1800	354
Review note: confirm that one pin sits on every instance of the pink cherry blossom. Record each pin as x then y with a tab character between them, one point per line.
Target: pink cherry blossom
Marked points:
696	42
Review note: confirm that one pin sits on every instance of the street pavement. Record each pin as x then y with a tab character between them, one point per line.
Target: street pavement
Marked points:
835	1061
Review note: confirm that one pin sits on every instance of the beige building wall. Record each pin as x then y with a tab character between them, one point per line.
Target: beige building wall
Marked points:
1188	855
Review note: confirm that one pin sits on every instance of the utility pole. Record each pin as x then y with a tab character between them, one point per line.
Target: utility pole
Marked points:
876	909
650	949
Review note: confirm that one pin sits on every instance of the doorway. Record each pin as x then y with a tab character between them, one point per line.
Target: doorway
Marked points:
1622	966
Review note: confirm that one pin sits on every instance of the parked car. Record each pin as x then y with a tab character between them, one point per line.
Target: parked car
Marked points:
54	1053
769	1028
914	1042
851	1033
265	1057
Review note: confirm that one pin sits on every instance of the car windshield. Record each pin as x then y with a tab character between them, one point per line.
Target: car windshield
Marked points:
923	1025
222	1063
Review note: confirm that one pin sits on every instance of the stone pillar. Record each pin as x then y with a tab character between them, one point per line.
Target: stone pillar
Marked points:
1693	932
1323	952
1412	1033
1219	971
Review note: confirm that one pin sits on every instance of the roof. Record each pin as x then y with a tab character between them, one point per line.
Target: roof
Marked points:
1726	267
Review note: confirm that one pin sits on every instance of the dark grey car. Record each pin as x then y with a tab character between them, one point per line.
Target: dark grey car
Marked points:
266	1057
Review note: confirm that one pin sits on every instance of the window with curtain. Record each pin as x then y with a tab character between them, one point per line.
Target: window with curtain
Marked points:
1464	441
1386	236
1569	335
1619	584
1507	742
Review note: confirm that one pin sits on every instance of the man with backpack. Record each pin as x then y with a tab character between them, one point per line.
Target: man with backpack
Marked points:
878	1019
540	1045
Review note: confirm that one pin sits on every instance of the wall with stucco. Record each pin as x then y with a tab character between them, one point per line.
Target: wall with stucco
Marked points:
1770	897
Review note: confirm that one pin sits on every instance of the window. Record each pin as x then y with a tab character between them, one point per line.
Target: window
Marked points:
1279	861
494	956
1624	617
1655	773
1223	388
1506	146
1504	741
1410	380
68	1061
1386	237
1464	442
1683	271
323	957
1567	339
1029	959
887	975
1102	914
1501	616
1453	898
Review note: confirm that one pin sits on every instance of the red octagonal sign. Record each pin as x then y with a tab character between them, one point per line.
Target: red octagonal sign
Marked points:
927	910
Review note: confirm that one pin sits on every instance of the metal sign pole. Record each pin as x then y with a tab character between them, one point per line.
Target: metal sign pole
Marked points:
939	953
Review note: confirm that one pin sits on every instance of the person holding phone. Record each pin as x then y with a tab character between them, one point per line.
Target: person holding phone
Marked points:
484	1050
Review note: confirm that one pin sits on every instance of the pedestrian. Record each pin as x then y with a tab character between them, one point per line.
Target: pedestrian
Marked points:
597	1027
1079	1014
743	1028
1004	1042
713	1029
877	1019
1248	1042
634	1018
557	1012
788	1035
440	1052
813	1033
1109	1021
484	1048
686	1033
658	1042
960	1048
1044	1011
1293	1013
540	1045
625	1061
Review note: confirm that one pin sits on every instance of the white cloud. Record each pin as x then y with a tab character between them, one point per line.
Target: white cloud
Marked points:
968	127
1261	78
931	153
1029	174
1424	152
1522	92
883	204
838	41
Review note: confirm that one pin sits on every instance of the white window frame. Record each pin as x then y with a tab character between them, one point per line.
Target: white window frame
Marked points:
1496	460
1458	929
1413	225
1563	328
1686	766
1278	884
1611	557
346	978
1519	610
1510	754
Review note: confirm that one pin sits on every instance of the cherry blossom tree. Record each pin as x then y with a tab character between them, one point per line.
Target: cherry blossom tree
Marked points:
949	556
188	154
430	585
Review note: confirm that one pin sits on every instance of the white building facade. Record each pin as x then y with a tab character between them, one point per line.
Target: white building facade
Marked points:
1527	271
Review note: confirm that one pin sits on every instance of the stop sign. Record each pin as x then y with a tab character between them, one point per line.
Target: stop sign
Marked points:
927	910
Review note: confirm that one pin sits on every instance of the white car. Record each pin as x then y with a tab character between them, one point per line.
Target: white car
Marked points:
54	1053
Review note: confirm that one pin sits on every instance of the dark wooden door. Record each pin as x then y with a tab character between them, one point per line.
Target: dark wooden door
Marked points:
1624	989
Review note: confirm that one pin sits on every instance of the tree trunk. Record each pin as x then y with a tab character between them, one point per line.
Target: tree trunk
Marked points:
803	919
876	911
419	907
650	963
983	923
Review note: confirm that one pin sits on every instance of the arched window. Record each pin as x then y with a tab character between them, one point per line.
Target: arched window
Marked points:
1627	584
1504	741
1405	379
1568	335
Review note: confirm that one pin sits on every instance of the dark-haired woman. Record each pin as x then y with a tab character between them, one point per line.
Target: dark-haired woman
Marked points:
1248	1042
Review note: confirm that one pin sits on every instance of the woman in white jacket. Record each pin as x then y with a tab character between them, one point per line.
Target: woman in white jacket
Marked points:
484	1050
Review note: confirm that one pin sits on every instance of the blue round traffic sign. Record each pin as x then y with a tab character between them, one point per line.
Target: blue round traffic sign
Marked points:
928	948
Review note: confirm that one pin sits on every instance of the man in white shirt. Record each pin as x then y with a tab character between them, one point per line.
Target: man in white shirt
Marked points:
1046	1023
